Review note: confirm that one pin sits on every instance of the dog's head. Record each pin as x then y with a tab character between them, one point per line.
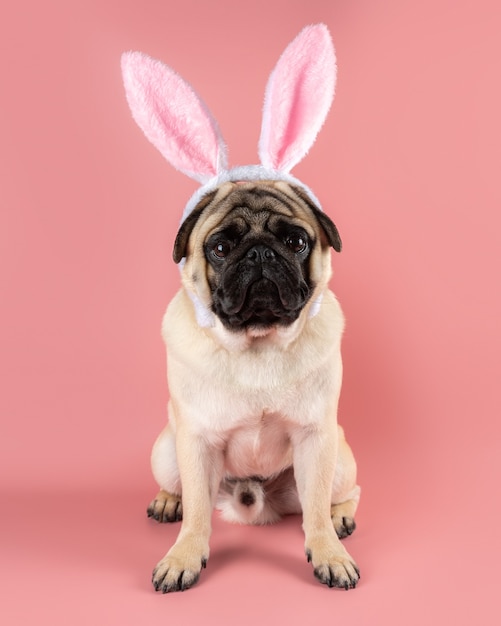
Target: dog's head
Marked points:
256	254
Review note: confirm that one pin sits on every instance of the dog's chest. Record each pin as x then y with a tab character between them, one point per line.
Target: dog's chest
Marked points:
258	448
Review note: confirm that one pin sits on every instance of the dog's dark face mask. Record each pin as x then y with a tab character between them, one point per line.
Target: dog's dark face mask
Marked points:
258	265
260	270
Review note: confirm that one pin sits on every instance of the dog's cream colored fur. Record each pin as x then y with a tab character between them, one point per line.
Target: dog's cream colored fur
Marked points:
254	403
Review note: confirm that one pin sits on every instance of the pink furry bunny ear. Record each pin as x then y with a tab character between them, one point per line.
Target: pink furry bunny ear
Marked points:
173	117
298	97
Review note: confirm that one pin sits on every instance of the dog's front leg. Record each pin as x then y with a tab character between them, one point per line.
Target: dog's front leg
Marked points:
200	468
314	467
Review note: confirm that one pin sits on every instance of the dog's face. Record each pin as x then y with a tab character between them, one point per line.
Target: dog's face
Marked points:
256	253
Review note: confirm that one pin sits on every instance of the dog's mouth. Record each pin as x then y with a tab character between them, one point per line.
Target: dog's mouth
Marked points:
262	303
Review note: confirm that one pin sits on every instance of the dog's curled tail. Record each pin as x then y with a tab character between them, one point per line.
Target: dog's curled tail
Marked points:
256	500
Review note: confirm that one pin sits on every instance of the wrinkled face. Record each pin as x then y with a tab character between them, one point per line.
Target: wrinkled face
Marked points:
258	268
260	248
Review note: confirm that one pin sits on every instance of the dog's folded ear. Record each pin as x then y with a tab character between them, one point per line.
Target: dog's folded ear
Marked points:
183	235
329	228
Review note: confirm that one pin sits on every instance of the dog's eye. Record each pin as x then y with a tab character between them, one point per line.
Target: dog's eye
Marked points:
296	243
221	249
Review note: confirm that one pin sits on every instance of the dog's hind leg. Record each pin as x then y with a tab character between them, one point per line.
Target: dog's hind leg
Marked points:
166	506
343	515
345	491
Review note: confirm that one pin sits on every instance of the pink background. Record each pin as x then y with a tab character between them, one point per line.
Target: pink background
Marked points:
408	165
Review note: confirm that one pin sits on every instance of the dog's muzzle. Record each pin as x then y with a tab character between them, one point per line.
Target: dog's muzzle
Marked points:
262	289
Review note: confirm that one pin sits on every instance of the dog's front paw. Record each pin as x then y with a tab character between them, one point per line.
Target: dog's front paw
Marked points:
165	507
338	572
180	568
333	566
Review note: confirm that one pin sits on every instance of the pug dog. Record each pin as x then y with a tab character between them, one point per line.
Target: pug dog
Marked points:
253	336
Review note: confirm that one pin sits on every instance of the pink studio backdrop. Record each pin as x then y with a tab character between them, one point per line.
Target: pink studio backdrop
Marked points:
408	167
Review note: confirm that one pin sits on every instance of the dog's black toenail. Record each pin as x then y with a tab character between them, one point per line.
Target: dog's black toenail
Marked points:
178	515
349	525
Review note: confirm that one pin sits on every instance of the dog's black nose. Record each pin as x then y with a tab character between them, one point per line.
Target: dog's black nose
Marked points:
260	254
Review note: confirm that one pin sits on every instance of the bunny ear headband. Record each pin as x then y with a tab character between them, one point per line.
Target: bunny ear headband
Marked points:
174	118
